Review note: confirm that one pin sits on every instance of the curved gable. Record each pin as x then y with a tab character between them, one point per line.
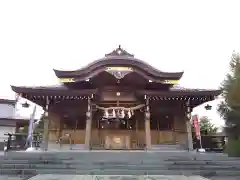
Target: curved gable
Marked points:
119	58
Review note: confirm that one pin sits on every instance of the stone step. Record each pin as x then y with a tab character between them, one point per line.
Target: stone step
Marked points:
78	147
206	173
27	161
122	162
200	162
116	153
117	157
10	177
119	163
123	167
166	147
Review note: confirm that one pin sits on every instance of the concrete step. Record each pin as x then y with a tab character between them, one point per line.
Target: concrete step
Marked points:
7	177
119	163
79	154
78	147
127	167
166	147
122	162
206	173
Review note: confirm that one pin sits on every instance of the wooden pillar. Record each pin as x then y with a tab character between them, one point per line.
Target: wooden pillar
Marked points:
46	126
88	125
174	127
60	132
189	127
147	126
189	134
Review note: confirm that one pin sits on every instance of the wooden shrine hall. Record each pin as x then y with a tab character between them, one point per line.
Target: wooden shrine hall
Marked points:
116	102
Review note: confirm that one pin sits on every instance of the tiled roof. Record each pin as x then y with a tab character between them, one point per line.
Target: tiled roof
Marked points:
52	87
181	88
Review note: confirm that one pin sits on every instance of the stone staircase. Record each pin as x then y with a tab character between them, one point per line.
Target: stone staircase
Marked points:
118	163
167	147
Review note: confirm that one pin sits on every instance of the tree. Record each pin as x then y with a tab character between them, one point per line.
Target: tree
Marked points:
230	108
206	127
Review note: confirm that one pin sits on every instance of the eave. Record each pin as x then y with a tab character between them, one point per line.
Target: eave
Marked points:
190	97
52	91
39	95
180	93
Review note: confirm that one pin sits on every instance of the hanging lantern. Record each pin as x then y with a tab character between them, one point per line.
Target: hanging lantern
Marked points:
25	105
208	107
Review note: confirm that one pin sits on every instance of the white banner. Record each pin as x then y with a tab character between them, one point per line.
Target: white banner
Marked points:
31	126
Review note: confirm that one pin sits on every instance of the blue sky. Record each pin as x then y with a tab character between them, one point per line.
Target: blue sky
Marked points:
195	36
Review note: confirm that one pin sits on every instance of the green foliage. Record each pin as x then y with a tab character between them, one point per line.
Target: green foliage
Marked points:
206	127
233	148
229	109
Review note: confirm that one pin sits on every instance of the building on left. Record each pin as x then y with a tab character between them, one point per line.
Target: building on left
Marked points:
9	122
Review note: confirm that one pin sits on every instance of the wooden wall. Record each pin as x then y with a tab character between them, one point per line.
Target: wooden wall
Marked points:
54	127
176	136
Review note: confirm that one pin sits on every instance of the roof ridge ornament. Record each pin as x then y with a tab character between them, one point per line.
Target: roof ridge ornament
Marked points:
119	52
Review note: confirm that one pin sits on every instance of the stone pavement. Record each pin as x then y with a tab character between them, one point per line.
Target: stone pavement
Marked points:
82	177
225	178
126	177
5	177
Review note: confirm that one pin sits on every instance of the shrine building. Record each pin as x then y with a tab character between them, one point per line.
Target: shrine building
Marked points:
116	102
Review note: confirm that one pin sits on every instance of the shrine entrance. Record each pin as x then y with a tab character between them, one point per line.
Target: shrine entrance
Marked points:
118	128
